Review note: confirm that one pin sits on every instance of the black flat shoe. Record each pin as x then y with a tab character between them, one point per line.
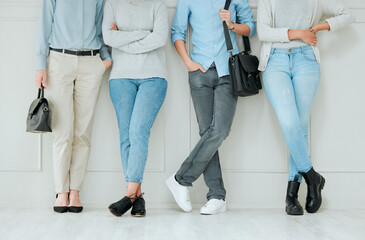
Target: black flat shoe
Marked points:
315	183
60	209
120	207
139	207
75	209
293	206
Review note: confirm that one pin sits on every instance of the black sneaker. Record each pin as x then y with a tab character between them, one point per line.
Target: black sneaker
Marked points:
139	207
120	207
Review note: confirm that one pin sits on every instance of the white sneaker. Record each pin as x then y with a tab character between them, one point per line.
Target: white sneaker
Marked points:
180	193
214	206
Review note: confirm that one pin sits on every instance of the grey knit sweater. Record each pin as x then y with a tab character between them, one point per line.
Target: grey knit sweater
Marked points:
291	14
137	52
339	17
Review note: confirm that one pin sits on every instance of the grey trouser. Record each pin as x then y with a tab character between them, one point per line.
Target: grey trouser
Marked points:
215	107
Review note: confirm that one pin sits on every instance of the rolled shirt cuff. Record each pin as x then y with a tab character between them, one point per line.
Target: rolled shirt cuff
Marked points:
176	37
104	53
252	29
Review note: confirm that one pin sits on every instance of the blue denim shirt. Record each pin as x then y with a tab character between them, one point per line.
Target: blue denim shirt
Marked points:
208	35
70	24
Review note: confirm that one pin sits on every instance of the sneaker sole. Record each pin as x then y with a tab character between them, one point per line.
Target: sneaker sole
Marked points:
220	211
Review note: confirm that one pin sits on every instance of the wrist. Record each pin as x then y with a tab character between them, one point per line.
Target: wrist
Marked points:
230	26
315	29
295	34
187	62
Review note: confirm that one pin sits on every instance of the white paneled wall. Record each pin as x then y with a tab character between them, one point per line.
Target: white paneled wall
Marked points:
254	157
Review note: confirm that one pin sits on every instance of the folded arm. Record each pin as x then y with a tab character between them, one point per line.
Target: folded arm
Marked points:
118	39
267	33
154	40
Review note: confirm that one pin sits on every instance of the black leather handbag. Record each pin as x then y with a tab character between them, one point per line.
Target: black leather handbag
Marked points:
243	67
39	115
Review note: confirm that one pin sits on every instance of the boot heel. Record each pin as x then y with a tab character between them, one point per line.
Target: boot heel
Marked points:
323	183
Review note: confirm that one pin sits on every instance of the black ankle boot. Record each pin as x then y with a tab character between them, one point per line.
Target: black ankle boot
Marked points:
293	206
139	207
120	207
315	183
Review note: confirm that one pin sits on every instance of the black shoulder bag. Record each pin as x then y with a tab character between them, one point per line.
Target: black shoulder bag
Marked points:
243	67
39	115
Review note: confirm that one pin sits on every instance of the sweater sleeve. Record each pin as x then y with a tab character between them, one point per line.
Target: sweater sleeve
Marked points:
156	39
44	33
340	16
265	31
118	39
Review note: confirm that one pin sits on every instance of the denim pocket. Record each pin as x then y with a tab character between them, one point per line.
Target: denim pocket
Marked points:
197	79
190	72
309	54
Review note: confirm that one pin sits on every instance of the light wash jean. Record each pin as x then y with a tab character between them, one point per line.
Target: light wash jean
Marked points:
136	103
291	81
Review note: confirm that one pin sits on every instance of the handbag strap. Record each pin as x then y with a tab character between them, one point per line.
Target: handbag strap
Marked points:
41	92
246	40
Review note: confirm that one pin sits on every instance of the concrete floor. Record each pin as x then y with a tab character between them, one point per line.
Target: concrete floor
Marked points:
161	224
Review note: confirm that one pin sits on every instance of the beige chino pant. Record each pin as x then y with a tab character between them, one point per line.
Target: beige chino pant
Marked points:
72	90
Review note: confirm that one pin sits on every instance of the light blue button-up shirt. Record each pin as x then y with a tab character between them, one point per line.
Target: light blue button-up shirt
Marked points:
208	35
70	24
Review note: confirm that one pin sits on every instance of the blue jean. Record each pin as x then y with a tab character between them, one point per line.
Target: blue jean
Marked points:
291	81
136	103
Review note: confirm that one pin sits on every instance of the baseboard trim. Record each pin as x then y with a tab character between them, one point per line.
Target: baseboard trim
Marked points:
165	206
